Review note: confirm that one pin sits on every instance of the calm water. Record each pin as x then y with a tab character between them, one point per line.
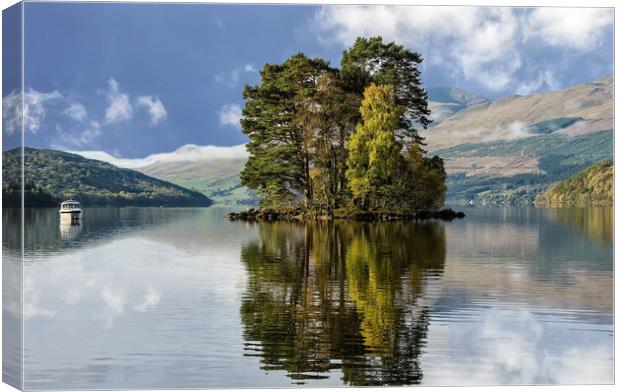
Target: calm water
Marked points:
157	298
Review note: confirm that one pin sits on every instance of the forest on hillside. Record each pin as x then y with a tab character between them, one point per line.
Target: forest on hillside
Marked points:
51	176
593	186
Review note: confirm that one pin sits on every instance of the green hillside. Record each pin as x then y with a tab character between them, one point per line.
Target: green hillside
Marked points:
552	157
218	179
593	186
52	175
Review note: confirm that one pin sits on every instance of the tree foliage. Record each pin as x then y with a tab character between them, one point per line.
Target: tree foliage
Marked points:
370	61
279	163
373	148
312	146
593	186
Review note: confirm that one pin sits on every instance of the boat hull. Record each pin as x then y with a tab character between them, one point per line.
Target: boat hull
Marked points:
70	216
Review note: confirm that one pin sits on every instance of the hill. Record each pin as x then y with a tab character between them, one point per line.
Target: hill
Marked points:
515	171
213	171
508	151
577	110
445	101
52	175
218	179
593	186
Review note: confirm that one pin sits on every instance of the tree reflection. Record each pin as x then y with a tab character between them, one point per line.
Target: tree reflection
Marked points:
341	295
596	222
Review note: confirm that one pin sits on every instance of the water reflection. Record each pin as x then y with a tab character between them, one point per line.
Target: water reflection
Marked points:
45	235
70	230
596	222
346	296
182	298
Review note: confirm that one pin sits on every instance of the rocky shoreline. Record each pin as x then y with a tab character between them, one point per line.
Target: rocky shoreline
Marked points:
266	214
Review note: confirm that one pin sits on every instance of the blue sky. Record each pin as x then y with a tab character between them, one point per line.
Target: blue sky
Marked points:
137	79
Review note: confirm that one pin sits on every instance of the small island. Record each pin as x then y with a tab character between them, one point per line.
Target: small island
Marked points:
329	143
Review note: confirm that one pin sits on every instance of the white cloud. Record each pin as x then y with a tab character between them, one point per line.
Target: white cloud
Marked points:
155	107
64	140
545	78
187	153
90	133
33	113
76	111
119	108
230	115
480	44
249	68
574	28
230	79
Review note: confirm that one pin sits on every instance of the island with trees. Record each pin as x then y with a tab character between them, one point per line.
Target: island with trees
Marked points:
342	142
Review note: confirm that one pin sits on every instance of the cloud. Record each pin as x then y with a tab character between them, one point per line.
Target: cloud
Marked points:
119	108
64	140
155	107
249	68
76	111
486	45
34	109
230	115
545	78
574	28
229	79
187	153
90	133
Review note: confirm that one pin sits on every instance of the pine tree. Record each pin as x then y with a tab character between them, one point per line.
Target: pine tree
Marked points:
370	60
279	163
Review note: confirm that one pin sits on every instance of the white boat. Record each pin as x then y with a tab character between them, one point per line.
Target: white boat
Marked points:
70	211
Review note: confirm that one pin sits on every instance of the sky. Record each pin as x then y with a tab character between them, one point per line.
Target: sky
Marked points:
138	79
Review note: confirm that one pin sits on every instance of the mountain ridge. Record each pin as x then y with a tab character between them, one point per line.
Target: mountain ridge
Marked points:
509	118
446	101
51	175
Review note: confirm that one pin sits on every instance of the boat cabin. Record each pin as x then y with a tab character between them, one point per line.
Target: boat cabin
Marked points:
69	205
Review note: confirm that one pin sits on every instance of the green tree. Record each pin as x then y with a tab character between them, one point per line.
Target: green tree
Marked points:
327	115
279	163
370	60
306	151
374	150
421	181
